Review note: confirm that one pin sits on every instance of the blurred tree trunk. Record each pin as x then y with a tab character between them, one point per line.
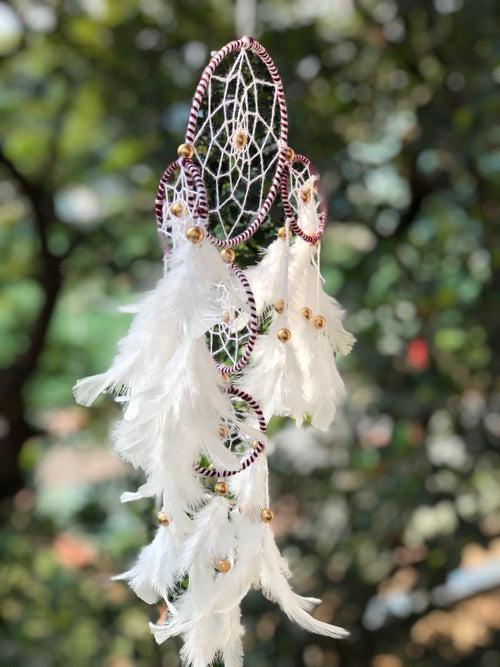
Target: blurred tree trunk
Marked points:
14	427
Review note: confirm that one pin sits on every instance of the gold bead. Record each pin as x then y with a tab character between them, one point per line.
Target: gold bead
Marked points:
195	234
279	306
284	335
226	377
255	444
267	515
177	209
240	139
282	233
306	312
223	431
305	195
228	255
221	488
223	565
226	317
290	154
319	321
185	150
162	518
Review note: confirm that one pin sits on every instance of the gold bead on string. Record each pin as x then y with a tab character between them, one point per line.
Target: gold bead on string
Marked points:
284	335
223	431
279	306
177	209
240	139
228	255
255	444
223	565
319	321
267	515
221	488
305	195
306	312
290	154
195	234
185	150
162	518
282	233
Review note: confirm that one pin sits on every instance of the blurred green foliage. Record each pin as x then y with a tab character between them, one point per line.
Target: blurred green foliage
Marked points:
398	105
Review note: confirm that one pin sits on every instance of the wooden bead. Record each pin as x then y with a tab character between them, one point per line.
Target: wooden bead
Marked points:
305	195
284	335
267	515
290	154
240	139
279	306
306	313
319	321
228	255
177	209
162	518
185	150
223	431
221	488
223	565
195	234
282	232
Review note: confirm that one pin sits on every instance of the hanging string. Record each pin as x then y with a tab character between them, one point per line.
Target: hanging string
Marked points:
244	18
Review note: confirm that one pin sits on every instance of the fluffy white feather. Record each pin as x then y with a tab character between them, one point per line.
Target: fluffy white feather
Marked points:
183	303
325	388
177	422
266	277
274	377
276	588
153	575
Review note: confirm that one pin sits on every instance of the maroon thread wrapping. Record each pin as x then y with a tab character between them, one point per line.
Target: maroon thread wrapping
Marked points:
253	325
260	51
251	458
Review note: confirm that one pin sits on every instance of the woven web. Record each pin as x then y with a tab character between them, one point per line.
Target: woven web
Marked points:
178	190
228	339
242	429
304	197
240	98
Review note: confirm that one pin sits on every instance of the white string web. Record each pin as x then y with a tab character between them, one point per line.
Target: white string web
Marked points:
305	201
242	430
240	103
229	337
181	201
304	197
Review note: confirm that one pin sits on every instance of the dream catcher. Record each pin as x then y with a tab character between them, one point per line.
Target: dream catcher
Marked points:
213	352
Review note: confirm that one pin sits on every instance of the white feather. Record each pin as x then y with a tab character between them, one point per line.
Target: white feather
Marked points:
153	575
266	277
274	377
183	303
232	651
276	588
175	424
325	389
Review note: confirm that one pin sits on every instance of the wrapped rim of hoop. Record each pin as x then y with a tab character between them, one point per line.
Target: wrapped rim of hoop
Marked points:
246	43
250	458
287	206
252	326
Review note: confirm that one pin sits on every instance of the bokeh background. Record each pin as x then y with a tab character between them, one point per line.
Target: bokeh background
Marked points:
393	517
